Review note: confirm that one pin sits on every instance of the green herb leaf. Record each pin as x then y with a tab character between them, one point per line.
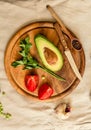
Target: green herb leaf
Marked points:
22	45
22	53
27	40
17	63
27	48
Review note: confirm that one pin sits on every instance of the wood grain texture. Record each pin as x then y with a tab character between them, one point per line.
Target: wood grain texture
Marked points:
16	75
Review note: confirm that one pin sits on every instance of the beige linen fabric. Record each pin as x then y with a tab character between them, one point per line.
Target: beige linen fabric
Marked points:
30	115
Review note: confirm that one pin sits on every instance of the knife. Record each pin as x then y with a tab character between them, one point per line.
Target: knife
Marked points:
67	50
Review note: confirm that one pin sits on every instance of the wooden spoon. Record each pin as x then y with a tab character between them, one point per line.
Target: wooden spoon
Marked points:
74	41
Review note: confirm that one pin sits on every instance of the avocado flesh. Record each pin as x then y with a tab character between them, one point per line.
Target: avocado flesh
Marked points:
42	43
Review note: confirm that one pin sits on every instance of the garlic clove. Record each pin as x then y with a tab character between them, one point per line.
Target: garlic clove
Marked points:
63	110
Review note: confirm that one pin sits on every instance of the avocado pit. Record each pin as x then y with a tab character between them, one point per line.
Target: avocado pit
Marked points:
50	56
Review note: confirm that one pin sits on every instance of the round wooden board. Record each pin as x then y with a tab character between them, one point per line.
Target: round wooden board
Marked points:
16	75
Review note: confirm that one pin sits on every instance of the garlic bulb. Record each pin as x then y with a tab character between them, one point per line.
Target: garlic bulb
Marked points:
63	110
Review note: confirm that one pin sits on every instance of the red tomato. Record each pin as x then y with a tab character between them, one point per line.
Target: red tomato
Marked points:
31	82
45	91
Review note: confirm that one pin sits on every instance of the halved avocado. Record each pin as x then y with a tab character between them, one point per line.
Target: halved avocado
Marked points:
49	53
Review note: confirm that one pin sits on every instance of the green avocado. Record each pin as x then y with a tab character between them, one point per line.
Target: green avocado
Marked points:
50	55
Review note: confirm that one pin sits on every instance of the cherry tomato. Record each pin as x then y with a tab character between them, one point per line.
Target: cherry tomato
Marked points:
45	91
31	82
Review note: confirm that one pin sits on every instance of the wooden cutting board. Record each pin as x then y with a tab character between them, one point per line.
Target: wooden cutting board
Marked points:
16	75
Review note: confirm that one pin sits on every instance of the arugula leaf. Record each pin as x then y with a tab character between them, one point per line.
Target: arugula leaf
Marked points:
28	61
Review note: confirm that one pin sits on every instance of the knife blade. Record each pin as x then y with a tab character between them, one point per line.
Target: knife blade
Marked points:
67	51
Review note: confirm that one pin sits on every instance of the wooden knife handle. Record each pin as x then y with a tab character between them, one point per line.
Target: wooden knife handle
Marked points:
61	36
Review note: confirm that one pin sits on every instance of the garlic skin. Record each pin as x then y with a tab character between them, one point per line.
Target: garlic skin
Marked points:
63	110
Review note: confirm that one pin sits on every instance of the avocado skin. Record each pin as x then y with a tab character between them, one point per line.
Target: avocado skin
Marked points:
41	42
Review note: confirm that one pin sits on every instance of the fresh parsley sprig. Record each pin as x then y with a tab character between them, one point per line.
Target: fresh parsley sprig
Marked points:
28	61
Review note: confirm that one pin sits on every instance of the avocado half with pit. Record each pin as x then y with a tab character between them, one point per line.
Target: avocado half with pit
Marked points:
50	55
